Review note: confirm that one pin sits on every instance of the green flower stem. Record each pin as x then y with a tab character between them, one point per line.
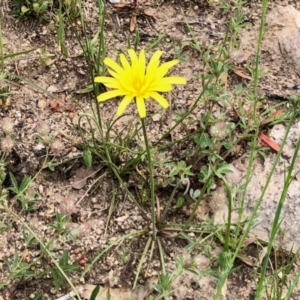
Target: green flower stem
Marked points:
1	51
152	195
161	255
276	223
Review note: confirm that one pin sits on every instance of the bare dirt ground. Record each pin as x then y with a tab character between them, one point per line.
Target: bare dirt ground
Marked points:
64	77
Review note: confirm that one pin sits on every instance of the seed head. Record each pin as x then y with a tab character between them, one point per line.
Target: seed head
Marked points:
235	176
217	199
42	128
7	144
68	206
219	130
7	125
57	147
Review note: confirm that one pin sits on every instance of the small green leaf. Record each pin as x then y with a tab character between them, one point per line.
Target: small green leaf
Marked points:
95	293
86	90
204	141
87	157
25	182
24	9
15	187
64	259
180	202
36	7
223	170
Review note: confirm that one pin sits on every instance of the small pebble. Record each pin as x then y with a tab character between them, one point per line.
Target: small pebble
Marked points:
42	104
52	89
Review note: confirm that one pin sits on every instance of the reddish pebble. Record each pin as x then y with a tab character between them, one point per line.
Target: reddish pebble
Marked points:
71	115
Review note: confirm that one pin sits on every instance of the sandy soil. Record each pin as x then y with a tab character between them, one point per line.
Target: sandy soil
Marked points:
88	205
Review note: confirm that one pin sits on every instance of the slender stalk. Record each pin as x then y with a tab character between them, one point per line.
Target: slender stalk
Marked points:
292	286
142	259
101	55
152	186
1	50
255	114
276	223
250	221
228	226
161	255
259	44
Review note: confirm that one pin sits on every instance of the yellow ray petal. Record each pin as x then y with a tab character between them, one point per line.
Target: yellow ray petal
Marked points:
104	79
174	80
133	56
114	87
160	99
113	65
141	65
123	104
160	86
125	84
140	103
152	67
135	79
154	62
108	95
125	64
164	68
110	82
113	74
123	79
134	61
100	79
165	84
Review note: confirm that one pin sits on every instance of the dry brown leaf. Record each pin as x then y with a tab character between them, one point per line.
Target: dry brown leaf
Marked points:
150	13
120	5
238	148
25	255
240	72
262	254
223	78
82	176
58	106
277	113
265	140
249	261
5	102
132	22
248	241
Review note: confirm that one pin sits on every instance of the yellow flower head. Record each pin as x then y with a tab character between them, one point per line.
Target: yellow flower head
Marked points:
138	81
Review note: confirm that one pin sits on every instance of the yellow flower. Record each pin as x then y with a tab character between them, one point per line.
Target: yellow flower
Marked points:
138	81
